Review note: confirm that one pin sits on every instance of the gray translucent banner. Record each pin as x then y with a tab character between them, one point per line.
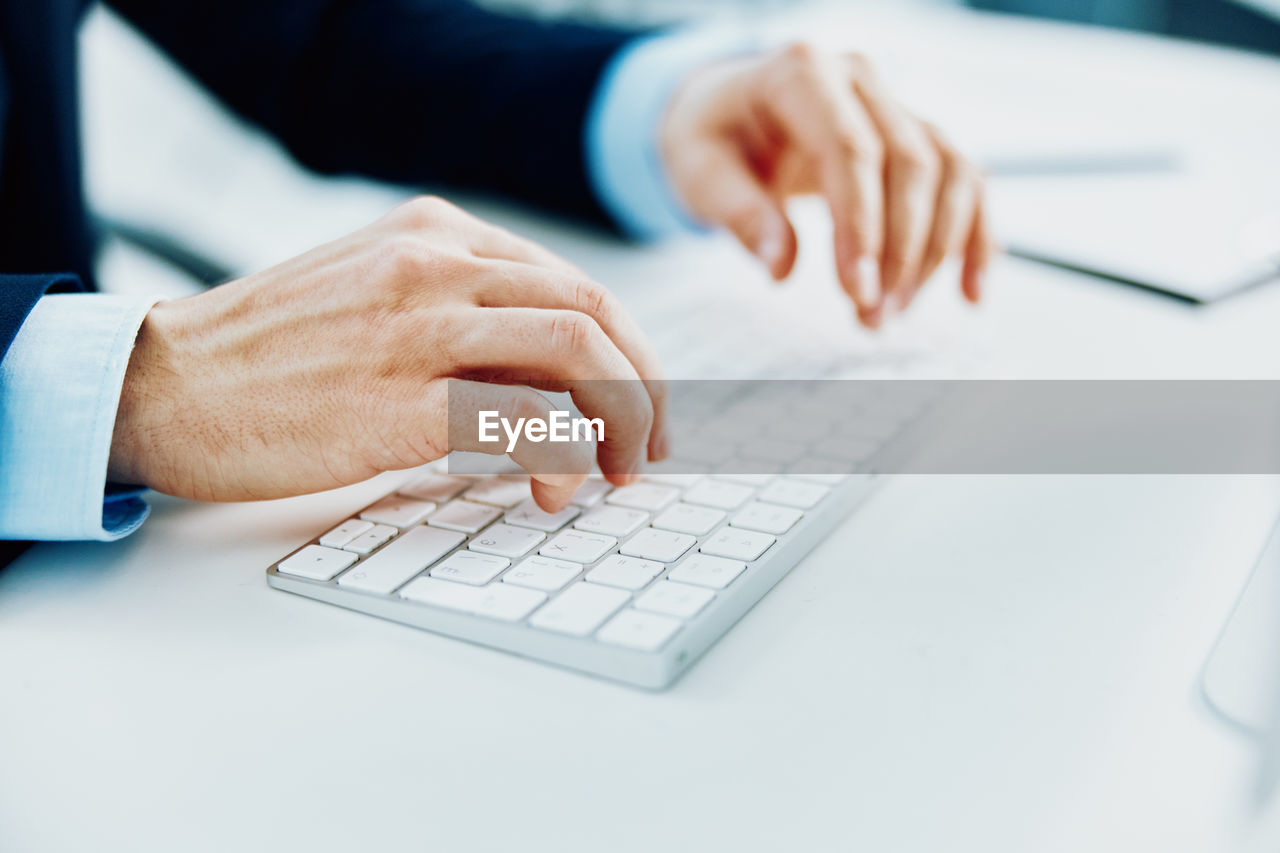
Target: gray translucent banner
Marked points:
930	427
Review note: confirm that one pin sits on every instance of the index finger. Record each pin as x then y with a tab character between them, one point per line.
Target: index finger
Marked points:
813	103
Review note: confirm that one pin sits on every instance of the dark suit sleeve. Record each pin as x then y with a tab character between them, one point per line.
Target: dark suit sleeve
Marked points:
19	294
417	91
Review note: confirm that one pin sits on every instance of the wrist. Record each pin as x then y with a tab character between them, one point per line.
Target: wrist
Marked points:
148	400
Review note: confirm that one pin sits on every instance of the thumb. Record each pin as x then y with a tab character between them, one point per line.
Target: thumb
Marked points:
731	195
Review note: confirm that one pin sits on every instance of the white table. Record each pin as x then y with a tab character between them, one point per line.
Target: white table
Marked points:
987	664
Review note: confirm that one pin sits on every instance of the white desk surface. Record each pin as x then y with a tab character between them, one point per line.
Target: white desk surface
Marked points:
969	663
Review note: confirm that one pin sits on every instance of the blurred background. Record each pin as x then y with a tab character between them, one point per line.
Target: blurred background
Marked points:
1133	139
1251	24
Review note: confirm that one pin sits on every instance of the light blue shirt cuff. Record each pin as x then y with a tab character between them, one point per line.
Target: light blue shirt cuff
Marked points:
623	159
59	388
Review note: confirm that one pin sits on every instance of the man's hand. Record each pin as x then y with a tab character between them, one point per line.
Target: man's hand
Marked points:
740	137
332	367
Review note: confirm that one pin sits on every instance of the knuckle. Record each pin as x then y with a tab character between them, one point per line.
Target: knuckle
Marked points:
860	149
571	332
404	257
425	210
593	299
802	55
527	404
914	160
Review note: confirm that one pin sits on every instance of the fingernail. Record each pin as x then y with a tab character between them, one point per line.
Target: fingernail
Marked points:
866	281
871	319
769	248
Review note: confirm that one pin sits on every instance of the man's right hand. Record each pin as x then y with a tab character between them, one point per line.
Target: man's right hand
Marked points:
333	367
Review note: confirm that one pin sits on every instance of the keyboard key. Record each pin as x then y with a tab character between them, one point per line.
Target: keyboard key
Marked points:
822	479
766	518
746	479
591	492
612	521
371	540
543	573
345	532
687	518
794	493
715	572
681	481
580	609
436	488
506	541
530	515
718	494
626	572
578	546
661	545
507	603
649	497
633	629
505	492
454	596
464	516
675	599
737	544
402	559
470	567
398	511
316	562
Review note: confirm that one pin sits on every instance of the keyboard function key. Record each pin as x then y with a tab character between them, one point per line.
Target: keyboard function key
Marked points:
398	511
345	532
675	599
506	541
661	545
542	573
464	516
401	560
737	544
316	563
714	572
470	567
635	629
578	546
580	609
371	540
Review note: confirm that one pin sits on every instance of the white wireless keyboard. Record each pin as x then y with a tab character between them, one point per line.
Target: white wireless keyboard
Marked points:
633	583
